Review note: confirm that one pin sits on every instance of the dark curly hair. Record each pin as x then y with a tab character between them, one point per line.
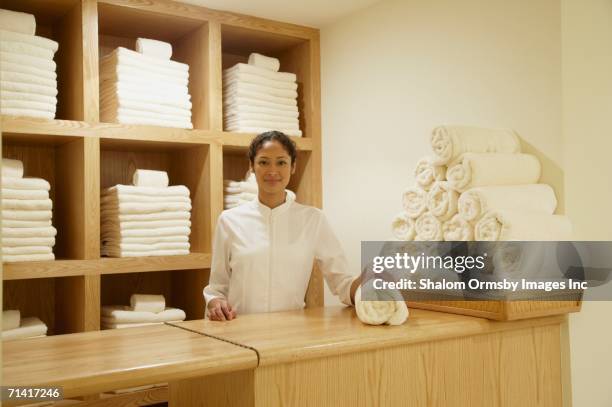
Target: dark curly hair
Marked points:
273	135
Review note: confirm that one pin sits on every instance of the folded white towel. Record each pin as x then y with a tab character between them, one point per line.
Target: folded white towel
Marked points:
11	169
109	200
474	202
17	21
43	114
145	120
27	105
428	228
112	91
26	250
150	178
45	64
241	92
426	173
414	200
9	223
450	142
146	240
123	105
257	130
27	204
27	88
403	226
28	78
184	117
148	302
29	327
134	75
31	40
150	207
44	100
457	229
27	69
245	77
442	200
27	257
109	252
110	224
123	233
380	312
11	318
127	66
48	231
156	247
125	315
265	62
477	170
25	183
28	241
522	225
266	73
145	84
140	217
230	102
248	111
267	90
154	48
173	190
261	120
24	48
26	215
234	191
133	58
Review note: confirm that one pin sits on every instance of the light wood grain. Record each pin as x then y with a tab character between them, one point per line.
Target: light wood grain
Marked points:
239	142
70	73
233	389
78	304
138	398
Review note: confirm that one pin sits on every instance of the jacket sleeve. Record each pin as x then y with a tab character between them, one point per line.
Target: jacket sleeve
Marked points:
220	271
332	261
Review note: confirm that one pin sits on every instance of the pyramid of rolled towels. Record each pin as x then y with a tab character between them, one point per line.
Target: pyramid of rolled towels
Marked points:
477	185
148	218
144	309
145	86
257	98
27	233
28	81
236	193
15	327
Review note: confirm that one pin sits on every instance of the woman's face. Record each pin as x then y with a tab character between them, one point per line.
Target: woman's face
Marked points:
272	167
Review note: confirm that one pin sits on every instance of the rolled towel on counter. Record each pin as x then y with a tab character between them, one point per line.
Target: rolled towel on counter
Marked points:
154	48
442	200
522	225
13	258
30	327
414	200
265	62
380	312
150	178
428	228
16	21
11	169
474	202
403	226
457	229
426	173
26	183
450	142
11	318
147	302
478	170
27	204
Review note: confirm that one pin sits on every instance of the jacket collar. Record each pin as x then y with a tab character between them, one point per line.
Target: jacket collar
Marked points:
289	199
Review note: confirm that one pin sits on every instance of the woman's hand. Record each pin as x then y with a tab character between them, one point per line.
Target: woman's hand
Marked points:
220	310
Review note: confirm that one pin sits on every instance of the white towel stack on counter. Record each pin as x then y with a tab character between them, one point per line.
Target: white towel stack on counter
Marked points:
27	234
145	87
148	218
144	309
28	81
477	185
257	98
15	327
236	193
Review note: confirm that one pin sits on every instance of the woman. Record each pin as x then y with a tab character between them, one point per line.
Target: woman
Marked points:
263	251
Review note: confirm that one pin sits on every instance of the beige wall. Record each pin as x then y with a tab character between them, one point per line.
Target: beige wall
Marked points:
392	72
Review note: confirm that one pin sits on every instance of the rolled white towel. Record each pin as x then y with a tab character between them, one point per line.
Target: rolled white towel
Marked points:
27	204
414	200
26	250
30	327
442	200
26	215
478	170
154	48
450	142
174	190
474	202
13	258
121	233
26	183
121	314
380	312
142	217
265	62
522	225
27	241
16	21
147	302
150	178
426	173
11	318
11	169
457	229
428	228
48	231
403	226
110	224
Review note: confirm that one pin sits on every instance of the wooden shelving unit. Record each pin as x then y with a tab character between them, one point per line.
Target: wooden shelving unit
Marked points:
79	155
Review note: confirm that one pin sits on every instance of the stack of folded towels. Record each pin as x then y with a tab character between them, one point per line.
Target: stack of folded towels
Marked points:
257	98
27	234
28	81
477	185
148	218
15	327
144	309
145	86
236	193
